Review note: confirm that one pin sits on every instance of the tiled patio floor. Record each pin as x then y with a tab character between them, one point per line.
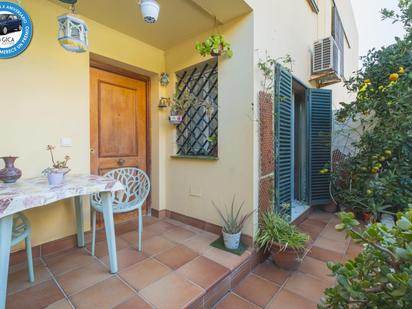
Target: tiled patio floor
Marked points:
271	287
177	269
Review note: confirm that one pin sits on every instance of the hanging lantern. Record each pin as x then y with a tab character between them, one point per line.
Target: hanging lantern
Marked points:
73	31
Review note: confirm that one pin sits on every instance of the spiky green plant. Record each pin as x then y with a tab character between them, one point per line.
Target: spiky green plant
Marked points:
233	221
273	228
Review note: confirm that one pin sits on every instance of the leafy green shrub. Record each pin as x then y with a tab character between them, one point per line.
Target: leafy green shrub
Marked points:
273	228
378	178
215	45
381	275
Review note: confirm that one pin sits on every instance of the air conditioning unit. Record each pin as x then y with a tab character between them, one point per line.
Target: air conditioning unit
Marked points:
327	57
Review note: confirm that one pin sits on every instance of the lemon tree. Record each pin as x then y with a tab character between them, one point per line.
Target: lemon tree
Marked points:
378	178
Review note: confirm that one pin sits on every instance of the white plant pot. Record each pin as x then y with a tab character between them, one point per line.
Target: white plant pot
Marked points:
150	10
231	241
388	220
175	119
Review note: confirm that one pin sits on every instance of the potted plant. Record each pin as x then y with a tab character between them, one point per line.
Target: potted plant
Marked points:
233	222
55	174
215	46
181	102
284	241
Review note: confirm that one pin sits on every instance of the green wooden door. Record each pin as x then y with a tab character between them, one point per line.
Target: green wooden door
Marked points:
319	130
283	140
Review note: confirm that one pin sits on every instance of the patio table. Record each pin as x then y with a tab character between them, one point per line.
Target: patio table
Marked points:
35	192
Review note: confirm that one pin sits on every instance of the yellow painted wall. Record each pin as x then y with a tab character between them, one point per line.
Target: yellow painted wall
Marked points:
193	184
46	96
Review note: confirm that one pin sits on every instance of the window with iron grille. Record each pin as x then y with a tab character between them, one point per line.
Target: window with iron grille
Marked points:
198	132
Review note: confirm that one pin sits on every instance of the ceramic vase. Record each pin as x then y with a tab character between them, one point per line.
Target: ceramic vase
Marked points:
9	174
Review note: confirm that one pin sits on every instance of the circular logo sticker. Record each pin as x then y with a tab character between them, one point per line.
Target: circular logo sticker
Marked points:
16	30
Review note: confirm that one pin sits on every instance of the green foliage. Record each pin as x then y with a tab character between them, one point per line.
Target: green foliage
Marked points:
233	220
215	45
181	102
273	228
381	276
267	67
378	178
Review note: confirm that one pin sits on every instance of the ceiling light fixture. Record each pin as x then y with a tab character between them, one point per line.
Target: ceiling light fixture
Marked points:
150	10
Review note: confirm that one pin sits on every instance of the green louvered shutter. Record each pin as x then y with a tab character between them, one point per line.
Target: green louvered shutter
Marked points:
283	142
319	135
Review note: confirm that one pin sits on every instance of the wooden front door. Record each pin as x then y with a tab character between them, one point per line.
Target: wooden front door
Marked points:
117	125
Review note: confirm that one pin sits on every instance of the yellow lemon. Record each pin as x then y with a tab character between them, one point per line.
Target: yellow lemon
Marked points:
394	77
401	70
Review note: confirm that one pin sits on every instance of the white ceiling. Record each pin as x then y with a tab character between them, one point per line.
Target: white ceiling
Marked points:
178	20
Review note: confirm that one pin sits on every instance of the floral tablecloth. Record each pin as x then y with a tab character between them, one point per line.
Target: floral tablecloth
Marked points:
36	192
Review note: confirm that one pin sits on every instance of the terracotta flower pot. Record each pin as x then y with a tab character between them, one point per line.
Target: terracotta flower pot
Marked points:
287	259
331	207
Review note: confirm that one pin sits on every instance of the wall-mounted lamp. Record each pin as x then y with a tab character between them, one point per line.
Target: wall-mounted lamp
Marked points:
164	102
164	79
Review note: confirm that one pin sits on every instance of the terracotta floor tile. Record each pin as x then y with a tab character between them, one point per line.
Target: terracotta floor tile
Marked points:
126	258
321	216
312	230
100	249
203	272
148	220
332	245
156	245
353	250
325	254
227	259
306	286
80	278
18	279
68	260
171	291
177	256
232	301
142	274
216	293
256	290
105	294
132	238
134	303
178	234
61	304
331	233
289	300
159	227
271	272
201	242
316	268
38	296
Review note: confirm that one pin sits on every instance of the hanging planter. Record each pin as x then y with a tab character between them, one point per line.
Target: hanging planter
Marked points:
150	10
73	31
214	46
181	102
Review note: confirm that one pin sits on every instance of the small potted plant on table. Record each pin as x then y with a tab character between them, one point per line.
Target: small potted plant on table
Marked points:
233	222
55	174
283	239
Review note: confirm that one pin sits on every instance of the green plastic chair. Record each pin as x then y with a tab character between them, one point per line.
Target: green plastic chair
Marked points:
22	231
137	188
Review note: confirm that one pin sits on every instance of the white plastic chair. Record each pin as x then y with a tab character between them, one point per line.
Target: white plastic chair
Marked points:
137	188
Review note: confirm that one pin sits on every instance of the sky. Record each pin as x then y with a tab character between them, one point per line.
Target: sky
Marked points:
373	32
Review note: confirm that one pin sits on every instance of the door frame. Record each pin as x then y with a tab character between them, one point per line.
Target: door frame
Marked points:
101	65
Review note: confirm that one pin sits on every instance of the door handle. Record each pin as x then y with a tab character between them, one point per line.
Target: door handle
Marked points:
120	162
